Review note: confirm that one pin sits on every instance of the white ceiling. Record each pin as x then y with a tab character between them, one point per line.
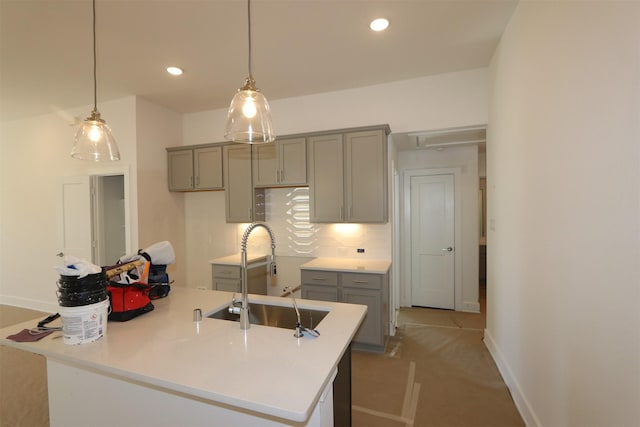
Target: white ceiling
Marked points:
300	47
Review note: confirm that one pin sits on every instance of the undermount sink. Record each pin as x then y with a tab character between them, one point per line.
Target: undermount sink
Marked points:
274	315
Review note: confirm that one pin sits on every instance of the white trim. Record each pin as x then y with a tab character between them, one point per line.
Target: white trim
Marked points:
405	289
131	245
47	307
471	306
522	404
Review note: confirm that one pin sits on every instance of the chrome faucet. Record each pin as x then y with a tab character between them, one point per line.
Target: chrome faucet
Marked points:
298	333
244	308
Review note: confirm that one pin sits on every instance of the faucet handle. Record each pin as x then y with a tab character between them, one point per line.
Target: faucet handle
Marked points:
234	307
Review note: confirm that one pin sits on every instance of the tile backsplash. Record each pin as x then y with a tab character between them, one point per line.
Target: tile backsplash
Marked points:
287	212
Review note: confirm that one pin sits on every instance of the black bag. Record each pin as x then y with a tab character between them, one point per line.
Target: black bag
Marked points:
159	281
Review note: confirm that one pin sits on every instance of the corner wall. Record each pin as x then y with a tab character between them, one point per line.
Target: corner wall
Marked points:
35	157
564	212
160	212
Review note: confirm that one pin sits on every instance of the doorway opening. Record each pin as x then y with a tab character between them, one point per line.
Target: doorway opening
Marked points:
430	200
108	213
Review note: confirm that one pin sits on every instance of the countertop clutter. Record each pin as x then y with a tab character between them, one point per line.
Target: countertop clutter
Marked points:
263	370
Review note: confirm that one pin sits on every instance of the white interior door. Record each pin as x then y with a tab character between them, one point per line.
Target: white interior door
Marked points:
75	217
432	241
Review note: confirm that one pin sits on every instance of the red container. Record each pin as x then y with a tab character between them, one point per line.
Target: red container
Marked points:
128	300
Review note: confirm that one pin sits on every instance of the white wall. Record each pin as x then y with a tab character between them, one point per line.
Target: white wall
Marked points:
160	212
564	212
35	154
435	102
464	158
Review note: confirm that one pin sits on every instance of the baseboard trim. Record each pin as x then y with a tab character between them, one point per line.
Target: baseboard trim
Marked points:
471	307
37	305
522	404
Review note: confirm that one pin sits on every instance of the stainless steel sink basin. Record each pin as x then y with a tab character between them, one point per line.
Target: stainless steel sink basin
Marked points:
274	315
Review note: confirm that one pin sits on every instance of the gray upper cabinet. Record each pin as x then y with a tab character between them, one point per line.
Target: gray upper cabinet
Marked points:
242	202
326	200
348	177
180	170
192	169
281	164
365	176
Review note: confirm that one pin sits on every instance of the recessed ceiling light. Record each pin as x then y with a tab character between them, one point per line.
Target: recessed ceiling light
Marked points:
379	24
175	71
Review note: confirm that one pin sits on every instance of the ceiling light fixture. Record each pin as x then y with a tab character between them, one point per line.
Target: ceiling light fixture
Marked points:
249	117
94	140
379	24
174	71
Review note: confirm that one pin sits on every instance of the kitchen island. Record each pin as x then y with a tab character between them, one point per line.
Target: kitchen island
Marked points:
164	369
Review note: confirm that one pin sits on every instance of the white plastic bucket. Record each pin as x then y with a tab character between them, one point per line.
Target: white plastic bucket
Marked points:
85	323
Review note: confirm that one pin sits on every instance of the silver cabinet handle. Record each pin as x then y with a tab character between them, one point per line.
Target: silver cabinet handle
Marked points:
449	249
321	279
360	281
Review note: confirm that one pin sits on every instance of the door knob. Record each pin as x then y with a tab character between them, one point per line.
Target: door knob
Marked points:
449	249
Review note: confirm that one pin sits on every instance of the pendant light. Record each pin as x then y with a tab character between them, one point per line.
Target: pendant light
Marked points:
249	117
94	140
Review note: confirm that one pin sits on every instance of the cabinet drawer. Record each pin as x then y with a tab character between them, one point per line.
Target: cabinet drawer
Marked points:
367	281
320	293
228	285
320	277
226	271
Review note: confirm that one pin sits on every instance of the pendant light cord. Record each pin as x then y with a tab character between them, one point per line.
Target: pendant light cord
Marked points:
95	78
249	26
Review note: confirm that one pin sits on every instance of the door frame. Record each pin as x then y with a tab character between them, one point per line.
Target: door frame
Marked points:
131	240
405	288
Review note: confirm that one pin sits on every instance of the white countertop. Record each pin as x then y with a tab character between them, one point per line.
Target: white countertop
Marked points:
236	259
264	369
352	265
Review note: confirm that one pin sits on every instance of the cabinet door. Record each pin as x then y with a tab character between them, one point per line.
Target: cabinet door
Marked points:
265	165
227	285
293	161
257	280
325	178
238	188
371	330
366	176
208	168
320	292
180	170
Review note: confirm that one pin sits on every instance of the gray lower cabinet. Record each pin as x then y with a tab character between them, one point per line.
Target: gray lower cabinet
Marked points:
192	169
228	278
368	289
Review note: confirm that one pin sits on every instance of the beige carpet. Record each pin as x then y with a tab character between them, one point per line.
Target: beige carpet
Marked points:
23	378
436	371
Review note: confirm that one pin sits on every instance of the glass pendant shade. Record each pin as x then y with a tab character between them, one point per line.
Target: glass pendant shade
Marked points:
249	117
94	141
